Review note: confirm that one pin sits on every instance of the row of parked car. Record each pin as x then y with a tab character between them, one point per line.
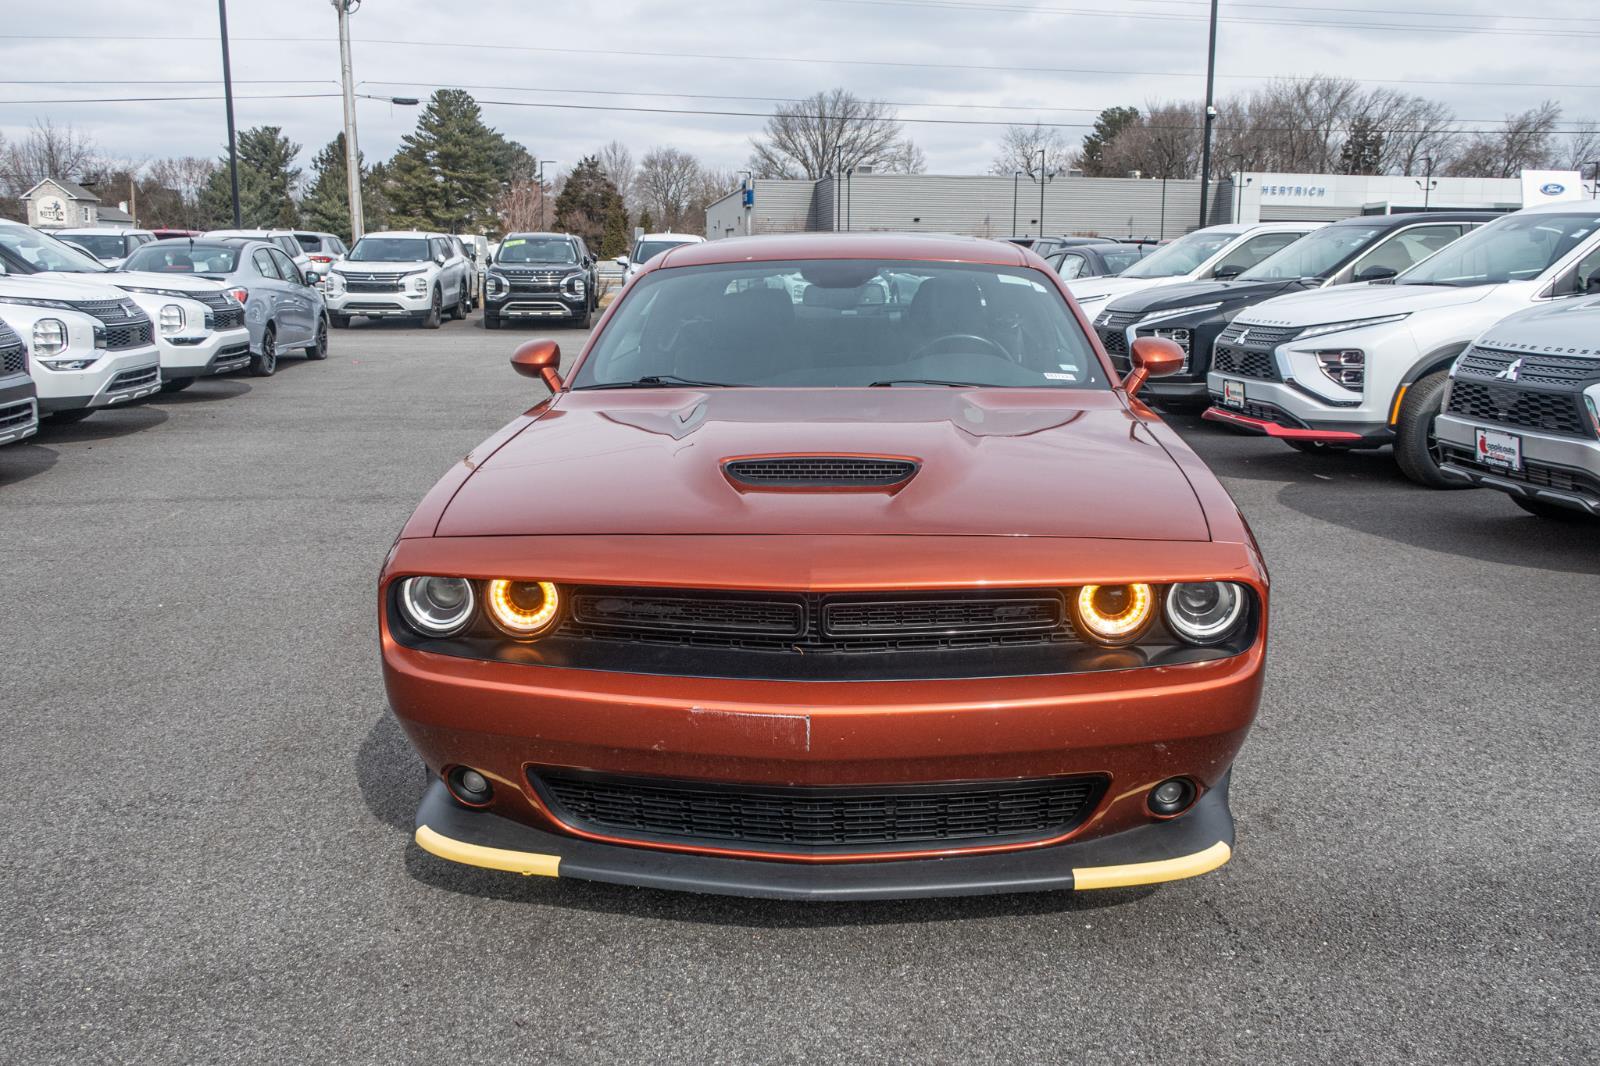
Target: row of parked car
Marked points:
1463	339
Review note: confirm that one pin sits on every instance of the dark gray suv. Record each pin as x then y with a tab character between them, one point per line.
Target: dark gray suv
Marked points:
541	276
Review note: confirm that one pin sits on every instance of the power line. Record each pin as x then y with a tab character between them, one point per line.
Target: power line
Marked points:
163	99
168	81
1435	13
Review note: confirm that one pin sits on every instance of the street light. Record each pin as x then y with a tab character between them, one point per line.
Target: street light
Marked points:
1594	177
1428	185
1240	183
542	164
1016	176
1211	114
227	94
1045	178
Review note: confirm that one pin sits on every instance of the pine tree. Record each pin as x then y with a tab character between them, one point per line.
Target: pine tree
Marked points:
267	182
1363	148
591	207
1109	123
326	205
448	172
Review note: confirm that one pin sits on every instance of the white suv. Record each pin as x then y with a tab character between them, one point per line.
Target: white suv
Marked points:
1366	365
1215	253
415	275
89	345
648	247
1522	410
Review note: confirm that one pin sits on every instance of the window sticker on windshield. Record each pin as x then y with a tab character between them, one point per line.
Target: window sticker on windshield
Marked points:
513	243
1060	377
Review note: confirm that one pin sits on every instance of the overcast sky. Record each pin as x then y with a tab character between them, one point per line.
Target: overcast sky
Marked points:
410	47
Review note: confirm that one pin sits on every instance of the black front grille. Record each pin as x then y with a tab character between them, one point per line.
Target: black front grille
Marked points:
1266	412
536	280
225	310
642	610
134	379
124	326
819	471
1257	336
1228	359
820	820
13	357
1512	405
896	618
1115	342
369	282
228	318
16	414
1533	472
121	338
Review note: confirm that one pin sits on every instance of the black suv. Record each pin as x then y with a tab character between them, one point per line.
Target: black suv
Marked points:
541	276
1367	248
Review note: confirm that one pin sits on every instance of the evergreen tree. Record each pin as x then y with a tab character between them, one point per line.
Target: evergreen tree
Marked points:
1111	121
326	205
1363	148
375	207
267	182
591	207
448	172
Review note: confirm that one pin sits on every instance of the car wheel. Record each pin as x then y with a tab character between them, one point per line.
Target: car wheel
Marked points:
435	315
265	364
69	417
340	321
1553	511
463	304
176	384
491	321
318	349
1415	447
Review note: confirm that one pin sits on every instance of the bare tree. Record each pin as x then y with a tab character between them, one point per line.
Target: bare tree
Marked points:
616	159
666	185
48	151
1164	142
1525	141
1020	147
832	129
1581	148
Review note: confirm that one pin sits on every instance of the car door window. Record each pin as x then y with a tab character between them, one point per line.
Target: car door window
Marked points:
1406	248
1252	251
264	264
1071	266
286	268
1577	281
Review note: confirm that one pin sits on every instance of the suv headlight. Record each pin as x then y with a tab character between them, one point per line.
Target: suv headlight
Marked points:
335	280
419	283
497	284
1354	323
49	337
171	319
573	284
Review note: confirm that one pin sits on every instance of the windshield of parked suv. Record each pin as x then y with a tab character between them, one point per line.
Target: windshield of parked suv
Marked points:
390	250
1121	259
184	257
1182	256
648	250
27	251
842	323
537	250
1314	255
102	245
1514	248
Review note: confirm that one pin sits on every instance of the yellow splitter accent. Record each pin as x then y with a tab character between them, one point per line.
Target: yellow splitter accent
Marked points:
528	863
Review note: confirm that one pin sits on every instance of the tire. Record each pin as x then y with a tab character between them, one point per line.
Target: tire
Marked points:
587	320
1554	512
435	316
339	321
491	321
265	364
1415	448
463	304
318	349
66	418
1317	447
176	384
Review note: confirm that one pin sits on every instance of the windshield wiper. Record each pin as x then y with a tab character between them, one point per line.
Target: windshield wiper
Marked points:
659	381
924	381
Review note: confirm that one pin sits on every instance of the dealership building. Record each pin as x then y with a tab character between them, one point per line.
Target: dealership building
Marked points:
990	206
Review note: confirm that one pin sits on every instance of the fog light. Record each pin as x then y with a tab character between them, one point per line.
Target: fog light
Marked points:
469	786
1172	796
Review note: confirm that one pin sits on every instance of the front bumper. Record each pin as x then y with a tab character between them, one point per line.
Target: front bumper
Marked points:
379	304
1198	842
539	305
19	411
1560	470
117	378
217	352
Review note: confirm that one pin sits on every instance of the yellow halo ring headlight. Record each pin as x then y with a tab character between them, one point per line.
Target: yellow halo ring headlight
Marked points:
522	609
1114	615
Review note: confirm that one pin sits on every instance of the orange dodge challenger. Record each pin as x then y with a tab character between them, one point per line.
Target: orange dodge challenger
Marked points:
836	567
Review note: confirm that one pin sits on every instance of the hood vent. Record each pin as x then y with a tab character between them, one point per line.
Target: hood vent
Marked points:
820	473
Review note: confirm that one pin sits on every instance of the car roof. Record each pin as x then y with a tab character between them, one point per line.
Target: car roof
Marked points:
212	242
687	238
95	229
915	247
537	233
1412	218
413	233
1563	207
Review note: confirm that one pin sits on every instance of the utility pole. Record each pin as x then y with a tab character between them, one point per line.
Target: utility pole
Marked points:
352	153
1594	179
542	164
1211	114
1427	184
227	94
1016	176
1045	177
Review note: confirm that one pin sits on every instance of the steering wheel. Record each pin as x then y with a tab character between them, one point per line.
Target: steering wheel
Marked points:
927	349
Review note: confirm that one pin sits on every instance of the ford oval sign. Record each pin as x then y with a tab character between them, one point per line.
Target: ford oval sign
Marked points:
1552	188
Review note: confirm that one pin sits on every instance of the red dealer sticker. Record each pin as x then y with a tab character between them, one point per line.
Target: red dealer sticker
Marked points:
1503	450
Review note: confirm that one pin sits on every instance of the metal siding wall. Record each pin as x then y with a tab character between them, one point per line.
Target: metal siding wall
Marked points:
783	205
1289	213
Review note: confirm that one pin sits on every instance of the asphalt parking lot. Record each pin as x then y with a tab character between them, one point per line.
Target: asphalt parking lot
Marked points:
209	808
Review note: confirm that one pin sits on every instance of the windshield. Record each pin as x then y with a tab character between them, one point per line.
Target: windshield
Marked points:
537	250
1314	255
183	257
27	251
1182	256
101	245
843	323
390	250
1515	248
1121	259
648	250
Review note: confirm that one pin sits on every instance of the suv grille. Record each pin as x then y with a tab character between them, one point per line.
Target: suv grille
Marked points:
225	310
819	472
535	280
13	353
369	282
1257	336
820	820
1546	396
16	414
1228	359
1111	326
134	379
125	325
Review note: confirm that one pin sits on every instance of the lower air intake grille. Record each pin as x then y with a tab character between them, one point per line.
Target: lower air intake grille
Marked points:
13	359
819	820
1227	359
819	472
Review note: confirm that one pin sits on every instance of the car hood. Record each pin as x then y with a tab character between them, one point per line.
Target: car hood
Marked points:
1227	293
53	286
1566	326
351	266
1359	301
1116	286
143	279
1053	463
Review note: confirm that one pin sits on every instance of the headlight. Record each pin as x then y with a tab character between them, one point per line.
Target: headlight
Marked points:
1205	612
1179	336
498	284
49	337
419	283
522	609
437	606
1345	367
335	280
171	320
1114	614
574	284
1588	401
1178	312
1354	323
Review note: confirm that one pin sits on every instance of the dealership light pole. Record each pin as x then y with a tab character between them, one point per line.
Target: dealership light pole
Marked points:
1211	114
352	153
227	94
1594	178
1427	185
1045	177
542	164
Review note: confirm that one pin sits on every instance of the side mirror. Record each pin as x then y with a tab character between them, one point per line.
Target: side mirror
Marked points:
1226	271
623	261
540	359
1153	357
1375	272
1591	284
313	278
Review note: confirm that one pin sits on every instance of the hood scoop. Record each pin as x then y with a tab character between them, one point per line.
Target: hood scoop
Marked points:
820	473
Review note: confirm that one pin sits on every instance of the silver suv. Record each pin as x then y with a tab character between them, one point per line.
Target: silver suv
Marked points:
19	410
1522	410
